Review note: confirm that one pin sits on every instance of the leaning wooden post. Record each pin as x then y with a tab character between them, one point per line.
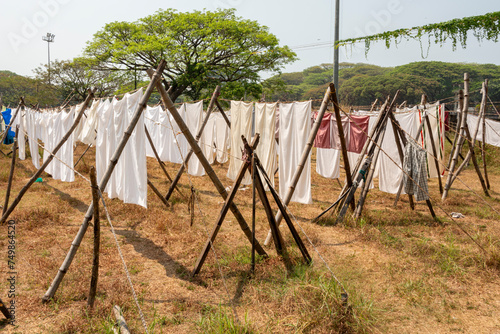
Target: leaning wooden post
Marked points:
343	145
120	320
97	239
378	144
472	154
456	137
7	127
47	162
484	105
158	193
458	148
223	212
198	136
223	113
103	183
169	105
304	157
371	172
11	173
433	146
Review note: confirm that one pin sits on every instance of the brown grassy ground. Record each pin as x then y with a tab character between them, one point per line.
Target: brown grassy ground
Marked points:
404	274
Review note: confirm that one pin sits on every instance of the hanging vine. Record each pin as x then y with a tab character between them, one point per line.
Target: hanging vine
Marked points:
483	27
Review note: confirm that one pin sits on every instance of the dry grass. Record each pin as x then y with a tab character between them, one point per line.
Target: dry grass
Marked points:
403	272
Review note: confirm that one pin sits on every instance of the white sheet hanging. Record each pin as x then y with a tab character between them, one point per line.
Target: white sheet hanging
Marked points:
129	178
294	129
20	122
222	140
241	124
265	116
88	125
194	119
31	130
328	163
208	138
436	119
492	135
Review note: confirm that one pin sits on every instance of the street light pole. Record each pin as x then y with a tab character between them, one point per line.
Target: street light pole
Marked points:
335	47
49	38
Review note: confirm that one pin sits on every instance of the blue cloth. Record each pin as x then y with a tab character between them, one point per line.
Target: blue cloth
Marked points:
7	115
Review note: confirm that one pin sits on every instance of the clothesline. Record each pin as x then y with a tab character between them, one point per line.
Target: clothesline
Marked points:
426	192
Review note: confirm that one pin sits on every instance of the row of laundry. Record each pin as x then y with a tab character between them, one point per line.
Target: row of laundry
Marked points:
284	129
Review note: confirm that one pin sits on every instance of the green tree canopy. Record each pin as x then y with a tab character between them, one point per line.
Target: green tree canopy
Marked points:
76	77
202	49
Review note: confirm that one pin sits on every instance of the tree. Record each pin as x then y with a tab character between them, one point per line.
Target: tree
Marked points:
76	77
201	48
13	86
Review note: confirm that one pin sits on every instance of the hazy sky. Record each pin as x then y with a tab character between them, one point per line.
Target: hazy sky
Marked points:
295	23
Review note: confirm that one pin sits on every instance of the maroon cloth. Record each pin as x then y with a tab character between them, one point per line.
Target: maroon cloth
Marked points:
323	138
358	133
446	121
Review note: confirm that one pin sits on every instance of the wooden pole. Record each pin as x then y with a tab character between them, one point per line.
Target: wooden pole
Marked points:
225	208
304	157
461	137
158	193
471	141
198	136
483	143
104	182
456	137
81	157
47	162
11	173
374	105
369	178
375	129
253	214
167	102
433	146
343	144
120	320
97	239
5	311
223	113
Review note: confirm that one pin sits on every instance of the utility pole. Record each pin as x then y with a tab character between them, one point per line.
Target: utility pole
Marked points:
335	47
49	38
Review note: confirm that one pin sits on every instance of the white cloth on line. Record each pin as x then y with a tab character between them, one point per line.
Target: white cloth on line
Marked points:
192	113
20	122
31	130
294	130
265	122
88	124
241	124
128	181
222	140
208	138
328	163
492	135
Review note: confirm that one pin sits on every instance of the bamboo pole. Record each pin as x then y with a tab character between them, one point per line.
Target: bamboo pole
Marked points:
167	102
460	141
457	128
97	239
225	208
11	174
471	141
120	320
158	193
254	202
107	175
223	113
81	157
343	145
5	310
375	129
47	162
433	146
483	143
305	155
198	136
366	185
